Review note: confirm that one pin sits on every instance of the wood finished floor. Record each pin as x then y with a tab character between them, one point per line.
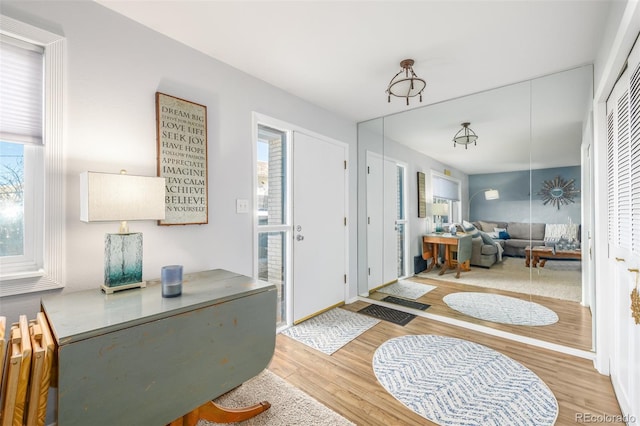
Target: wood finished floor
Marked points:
345	381
573	328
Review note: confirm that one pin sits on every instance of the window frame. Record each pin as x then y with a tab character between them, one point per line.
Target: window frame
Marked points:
48	271
285	227
402	219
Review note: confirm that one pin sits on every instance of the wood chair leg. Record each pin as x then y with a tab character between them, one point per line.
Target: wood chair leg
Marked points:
430	267
215	413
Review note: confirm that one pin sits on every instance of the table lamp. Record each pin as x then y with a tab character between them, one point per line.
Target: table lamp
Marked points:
439	210
106	197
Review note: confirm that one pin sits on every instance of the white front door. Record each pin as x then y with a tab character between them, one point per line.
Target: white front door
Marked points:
319	225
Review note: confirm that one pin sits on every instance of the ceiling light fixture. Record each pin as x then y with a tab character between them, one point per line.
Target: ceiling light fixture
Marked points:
408	85
465	136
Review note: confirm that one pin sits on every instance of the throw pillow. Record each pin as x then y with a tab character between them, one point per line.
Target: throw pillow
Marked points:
502	233
487	226
470	229
486	238
467	226
555	231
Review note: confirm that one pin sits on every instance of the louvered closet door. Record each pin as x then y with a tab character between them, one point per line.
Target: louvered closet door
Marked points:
623	184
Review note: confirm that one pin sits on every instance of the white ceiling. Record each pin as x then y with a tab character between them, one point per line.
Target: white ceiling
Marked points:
340	55
535	124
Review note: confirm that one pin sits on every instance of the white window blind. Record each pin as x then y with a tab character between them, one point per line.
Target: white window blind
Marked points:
445	188
21	91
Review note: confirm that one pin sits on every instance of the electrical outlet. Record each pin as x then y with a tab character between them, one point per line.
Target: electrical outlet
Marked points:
242	205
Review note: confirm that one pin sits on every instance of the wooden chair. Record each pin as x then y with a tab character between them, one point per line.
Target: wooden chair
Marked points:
42	362
462	253
429	254
16	385
3	350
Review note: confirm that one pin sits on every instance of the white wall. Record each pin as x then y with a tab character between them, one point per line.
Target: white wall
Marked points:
114	67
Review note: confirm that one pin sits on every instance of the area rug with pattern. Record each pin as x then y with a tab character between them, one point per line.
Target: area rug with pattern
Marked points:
289	405
331	330
501	309
452	381
407	289
558	279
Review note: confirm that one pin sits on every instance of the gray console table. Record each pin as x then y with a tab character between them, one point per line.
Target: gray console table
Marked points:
136	358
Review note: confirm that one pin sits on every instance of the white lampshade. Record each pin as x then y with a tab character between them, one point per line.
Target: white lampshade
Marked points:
491	194
121	197
440	209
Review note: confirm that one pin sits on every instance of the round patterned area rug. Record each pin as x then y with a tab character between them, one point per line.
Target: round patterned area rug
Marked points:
502	309
451	381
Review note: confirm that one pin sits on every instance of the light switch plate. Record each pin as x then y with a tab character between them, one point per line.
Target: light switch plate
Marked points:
242	205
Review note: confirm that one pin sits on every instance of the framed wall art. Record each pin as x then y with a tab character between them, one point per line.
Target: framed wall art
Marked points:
182	159
422	196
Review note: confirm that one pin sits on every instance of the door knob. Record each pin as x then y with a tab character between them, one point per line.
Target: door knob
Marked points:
299	237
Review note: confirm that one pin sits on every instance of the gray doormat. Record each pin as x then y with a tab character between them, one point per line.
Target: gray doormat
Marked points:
387	314
407	303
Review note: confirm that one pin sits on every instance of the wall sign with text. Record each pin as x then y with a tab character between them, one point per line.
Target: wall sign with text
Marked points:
182	159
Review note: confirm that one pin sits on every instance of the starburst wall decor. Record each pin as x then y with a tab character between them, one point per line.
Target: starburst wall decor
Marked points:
558	192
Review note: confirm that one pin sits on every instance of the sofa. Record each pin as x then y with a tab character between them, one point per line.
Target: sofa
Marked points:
484	249
518	235
483	253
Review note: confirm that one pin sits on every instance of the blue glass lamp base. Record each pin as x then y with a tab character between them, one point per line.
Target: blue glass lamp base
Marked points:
122	262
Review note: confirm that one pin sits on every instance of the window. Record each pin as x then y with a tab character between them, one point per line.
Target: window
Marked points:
31	243
401	222
446	200
274	229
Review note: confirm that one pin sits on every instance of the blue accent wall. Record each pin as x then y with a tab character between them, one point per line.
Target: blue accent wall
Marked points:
515	203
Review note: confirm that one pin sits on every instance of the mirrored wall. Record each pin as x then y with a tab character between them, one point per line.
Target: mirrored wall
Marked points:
529	169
